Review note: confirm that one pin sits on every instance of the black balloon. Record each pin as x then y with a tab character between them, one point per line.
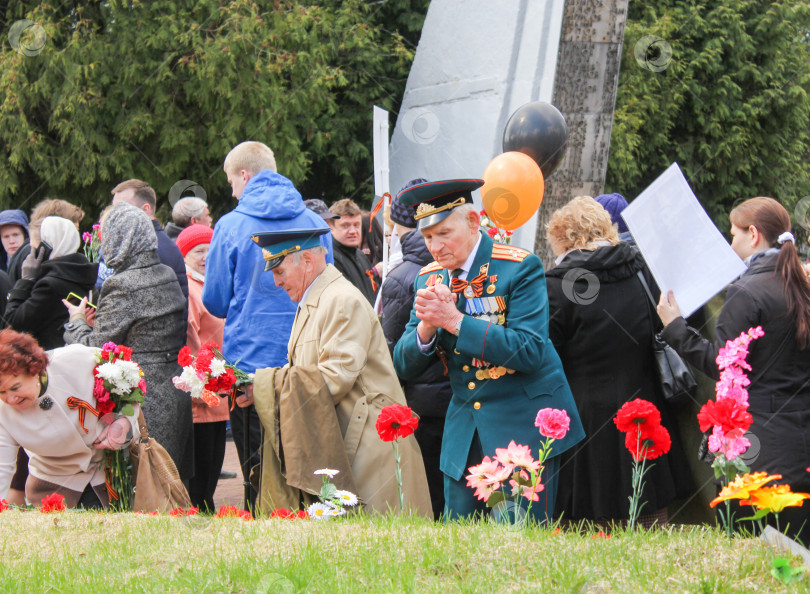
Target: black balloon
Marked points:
538	130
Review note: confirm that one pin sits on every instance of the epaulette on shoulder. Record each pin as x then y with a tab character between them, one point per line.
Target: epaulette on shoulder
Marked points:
432	267
508	252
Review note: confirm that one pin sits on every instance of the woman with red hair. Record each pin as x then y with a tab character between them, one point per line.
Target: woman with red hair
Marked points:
42	409
773	293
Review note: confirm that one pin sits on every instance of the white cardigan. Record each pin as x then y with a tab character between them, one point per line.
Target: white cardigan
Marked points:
58	448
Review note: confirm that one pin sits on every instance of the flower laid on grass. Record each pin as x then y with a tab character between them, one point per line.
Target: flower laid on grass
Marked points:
333	501
53	503
231	511
646	439
285	514
394	422
179	512
119	385
204	375
728	417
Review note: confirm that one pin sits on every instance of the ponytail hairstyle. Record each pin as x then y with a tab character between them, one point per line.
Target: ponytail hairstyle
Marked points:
772	220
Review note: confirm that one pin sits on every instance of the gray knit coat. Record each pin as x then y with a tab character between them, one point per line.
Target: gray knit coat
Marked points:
141	306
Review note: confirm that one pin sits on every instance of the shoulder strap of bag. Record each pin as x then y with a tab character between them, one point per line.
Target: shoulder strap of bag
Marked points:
646	288
653	313
142	425
759	373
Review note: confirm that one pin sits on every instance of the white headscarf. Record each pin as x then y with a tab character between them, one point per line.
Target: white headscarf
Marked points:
61	234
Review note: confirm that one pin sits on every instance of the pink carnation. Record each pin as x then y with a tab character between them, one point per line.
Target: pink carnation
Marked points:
552	422
99	390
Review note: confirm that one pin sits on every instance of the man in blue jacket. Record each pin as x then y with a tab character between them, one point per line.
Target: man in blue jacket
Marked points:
482	309
258	315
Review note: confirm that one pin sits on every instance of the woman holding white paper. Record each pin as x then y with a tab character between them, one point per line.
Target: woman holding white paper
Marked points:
773	293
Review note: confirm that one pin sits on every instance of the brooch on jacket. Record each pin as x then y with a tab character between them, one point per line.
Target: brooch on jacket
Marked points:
46	403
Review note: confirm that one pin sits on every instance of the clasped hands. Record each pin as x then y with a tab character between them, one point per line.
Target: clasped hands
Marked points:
436	308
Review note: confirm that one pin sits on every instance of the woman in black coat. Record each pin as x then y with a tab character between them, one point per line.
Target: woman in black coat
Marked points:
773	293
50	272
602	325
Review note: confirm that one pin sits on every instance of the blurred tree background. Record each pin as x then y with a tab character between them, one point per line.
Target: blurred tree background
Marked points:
721	87
92	93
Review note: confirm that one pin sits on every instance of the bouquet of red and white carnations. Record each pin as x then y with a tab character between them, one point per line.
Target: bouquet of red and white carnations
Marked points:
204	375
119	384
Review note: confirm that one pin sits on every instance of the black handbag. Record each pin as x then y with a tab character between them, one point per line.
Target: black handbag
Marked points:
678	385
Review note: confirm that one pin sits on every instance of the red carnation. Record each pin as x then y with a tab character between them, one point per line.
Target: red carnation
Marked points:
492	232
209	346
727	412
105	406
203	361
124	352
142	386
184	358
53	503
396	421
638	414
651	446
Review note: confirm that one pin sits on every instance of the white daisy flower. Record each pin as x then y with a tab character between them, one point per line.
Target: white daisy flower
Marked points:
346	498
320	511
330	472
336	511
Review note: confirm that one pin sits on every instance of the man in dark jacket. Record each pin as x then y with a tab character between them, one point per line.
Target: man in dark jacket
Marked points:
429	394
141	195
352	262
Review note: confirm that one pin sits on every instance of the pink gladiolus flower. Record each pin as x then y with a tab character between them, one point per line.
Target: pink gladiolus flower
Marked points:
516	455
553	423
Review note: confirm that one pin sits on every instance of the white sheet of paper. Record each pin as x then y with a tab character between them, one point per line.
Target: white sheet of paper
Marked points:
683	249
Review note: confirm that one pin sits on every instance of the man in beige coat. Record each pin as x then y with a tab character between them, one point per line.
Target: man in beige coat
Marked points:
319	410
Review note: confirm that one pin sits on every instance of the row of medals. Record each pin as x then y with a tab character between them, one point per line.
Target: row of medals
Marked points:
495	318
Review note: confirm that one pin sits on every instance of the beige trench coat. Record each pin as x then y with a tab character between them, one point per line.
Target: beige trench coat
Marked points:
337	331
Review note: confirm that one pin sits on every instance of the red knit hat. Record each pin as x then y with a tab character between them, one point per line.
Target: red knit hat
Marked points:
192	236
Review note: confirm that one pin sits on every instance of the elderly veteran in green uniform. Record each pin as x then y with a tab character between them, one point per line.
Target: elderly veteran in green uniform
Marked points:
320	410
482	308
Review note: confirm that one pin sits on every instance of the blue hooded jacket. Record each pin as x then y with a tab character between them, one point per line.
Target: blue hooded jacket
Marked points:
259	315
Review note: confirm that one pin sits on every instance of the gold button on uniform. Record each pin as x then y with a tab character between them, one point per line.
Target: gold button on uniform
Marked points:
477	405
471	385
465	368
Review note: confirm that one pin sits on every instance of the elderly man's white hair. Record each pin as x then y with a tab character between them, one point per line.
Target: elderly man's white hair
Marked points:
186	208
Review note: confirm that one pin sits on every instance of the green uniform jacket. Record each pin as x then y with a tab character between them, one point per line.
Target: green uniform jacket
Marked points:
501	409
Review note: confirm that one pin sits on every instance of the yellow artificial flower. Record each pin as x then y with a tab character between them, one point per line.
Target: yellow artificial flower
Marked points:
742	486
775	499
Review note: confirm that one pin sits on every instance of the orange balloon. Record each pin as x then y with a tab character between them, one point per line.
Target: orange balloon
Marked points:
513	189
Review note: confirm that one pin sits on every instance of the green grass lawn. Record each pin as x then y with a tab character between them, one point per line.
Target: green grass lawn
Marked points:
91	552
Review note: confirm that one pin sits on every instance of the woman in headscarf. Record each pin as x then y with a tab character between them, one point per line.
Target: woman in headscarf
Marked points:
51	271
141	306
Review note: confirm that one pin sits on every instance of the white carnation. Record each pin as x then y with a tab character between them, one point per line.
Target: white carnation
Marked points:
217	367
